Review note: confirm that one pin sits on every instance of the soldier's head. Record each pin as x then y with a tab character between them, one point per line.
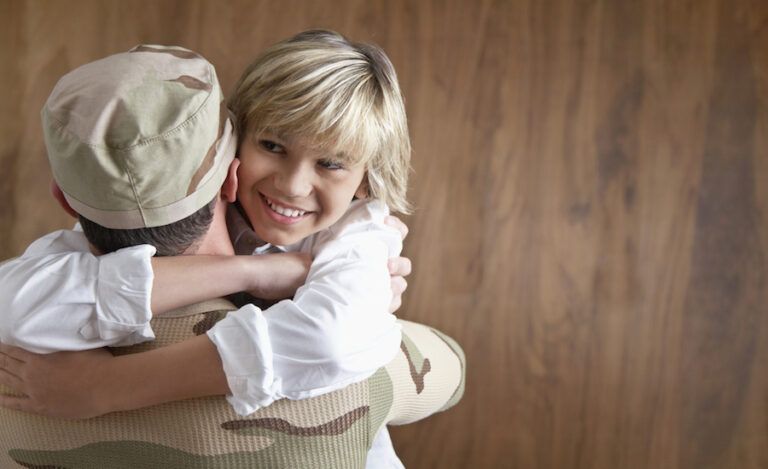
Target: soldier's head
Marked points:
140	144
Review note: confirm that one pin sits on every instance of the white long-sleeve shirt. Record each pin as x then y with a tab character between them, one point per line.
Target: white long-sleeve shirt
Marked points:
335	331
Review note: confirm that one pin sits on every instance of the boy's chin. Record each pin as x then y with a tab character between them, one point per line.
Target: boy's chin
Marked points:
283	239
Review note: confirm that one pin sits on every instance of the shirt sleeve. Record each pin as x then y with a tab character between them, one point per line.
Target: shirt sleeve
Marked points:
337	329
58	296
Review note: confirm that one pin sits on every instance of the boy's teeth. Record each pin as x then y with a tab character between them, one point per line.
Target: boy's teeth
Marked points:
286	212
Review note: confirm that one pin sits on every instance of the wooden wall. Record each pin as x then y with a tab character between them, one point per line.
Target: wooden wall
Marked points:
592	184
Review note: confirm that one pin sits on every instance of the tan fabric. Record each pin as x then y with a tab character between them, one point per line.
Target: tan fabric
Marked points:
330	431
148	129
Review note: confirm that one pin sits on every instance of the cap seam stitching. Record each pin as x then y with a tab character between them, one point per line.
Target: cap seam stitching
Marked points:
139	202
192	118
203	185
147	141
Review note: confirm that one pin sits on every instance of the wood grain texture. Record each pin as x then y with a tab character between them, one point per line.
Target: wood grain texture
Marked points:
592	185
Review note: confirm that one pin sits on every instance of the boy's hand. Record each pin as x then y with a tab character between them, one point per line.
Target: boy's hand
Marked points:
278	276
288	271
61	385
399	267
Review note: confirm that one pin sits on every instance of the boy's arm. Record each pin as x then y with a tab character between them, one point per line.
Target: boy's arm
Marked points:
337	329
183	280
49	296
59	296
90	383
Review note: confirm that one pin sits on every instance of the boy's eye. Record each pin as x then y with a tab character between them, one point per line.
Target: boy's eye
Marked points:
271	146
330	164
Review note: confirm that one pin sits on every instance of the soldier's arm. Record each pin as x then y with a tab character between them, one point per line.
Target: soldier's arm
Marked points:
90	383
428	375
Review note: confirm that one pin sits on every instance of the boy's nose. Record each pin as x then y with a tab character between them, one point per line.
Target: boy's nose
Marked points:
294	183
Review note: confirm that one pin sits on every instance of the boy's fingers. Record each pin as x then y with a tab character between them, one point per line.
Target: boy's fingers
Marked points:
399	284
399	266
397	224
396	302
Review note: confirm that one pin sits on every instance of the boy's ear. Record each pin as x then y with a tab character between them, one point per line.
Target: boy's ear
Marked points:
362	191
59	196
229	188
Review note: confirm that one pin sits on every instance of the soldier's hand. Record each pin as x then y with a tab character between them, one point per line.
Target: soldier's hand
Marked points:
62	385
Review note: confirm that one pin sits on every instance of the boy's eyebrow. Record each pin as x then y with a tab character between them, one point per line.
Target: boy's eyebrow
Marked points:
271	134
286	139
282	137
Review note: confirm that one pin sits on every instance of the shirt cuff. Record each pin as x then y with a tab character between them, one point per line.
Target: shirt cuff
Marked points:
243	343
123	296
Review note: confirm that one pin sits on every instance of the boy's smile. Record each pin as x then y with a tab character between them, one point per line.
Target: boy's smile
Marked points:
283	213
290	190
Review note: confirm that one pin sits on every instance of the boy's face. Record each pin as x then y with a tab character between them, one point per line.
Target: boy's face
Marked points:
289	190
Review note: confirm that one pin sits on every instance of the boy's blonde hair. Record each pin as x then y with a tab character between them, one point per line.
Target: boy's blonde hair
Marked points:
341	96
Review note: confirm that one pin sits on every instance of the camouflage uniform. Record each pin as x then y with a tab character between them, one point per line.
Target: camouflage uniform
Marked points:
334	430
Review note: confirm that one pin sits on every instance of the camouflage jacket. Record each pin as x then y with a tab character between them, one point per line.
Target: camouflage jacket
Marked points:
334	430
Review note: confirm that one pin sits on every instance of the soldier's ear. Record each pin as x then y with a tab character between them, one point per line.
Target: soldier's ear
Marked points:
57	194
229	188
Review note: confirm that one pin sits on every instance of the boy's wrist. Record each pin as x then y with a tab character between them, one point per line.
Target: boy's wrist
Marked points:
277	276
253	273
259	275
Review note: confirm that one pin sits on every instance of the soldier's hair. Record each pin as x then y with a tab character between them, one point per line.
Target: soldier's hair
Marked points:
340	96
170	240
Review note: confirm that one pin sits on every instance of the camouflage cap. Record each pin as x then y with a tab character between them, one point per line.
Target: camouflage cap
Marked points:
139	139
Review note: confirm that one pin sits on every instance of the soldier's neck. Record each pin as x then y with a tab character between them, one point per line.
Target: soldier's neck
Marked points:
216	240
